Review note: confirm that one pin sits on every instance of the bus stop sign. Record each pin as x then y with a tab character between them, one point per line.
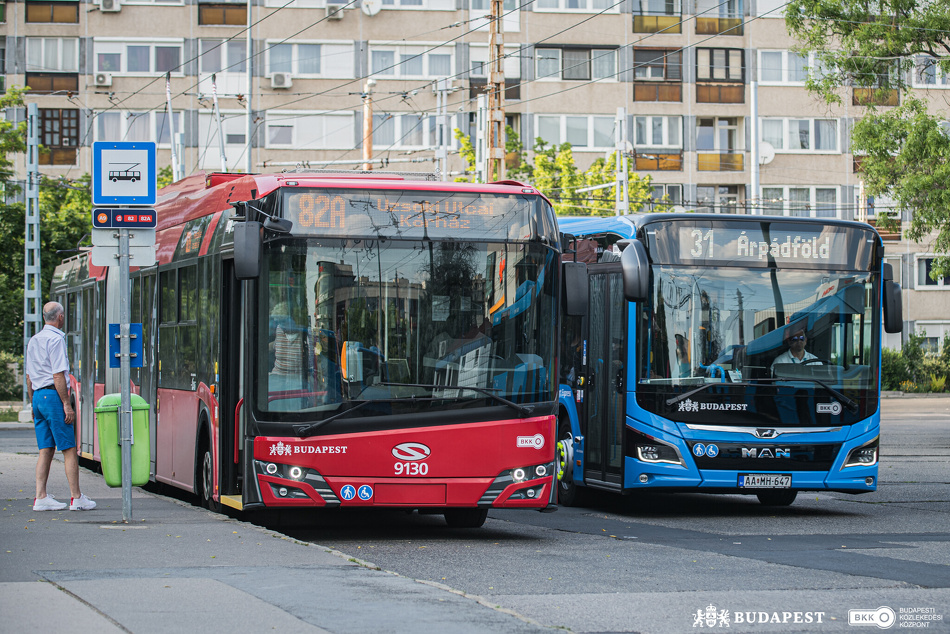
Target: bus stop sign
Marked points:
123	173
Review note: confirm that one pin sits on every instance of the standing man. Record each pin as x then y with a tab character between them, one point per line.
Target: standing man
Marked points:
47	375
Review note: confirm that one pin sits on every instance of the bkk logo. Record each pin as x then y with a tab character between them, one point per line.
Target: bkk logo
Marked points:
536	441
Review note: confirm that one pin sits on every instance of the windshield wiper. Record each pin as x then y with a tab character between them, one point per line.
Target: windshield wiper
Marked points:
524	410
686	395
850	404
303	431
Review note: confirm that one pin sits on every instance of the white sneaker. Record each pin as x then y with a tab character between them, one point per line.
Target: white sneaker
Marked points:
82	503
49	503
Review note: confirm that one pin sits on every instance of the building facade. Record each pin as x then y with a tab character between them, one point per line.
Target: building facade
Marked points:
711	91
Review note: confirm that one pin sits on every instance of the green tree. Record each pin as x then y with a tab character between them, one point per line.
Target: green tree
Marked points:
874	47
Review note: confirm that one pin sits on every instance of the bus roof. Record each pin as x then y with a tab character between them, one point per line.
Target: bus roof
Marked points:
205	193
627	226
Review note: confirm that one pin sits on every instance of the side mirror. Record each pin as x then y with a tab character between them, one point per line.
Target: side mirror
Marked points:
248	249
893	307
576	289
636	271
566	240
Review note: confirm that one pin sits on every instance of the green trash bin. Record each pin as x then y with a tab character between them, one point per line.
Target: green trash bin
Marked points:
110	448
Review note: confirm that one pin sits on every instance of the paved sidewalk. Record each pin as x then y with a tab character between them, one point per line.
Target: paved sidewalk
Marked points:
179	568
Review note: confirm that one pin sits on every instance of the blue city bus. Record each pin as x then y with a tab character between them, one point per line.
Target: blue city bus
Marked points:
679	375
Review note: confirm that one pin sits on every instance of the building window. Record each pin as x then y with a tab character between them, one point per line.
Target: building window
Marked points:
928	74
52	54
412	61
720	199
717	144
607	6
666	195
576	63
719	64
801	135
714	17
405	131
59	135
222	14
57	12
806	202
138	58
658	132
296	4
657	16
783	67
135	126
304	59
310	130
657	74
924	280
581	131
222	56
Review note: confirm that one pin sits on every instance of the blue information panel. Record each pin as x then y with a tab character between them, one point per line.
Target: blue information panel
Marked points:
135	346
123	173
108	218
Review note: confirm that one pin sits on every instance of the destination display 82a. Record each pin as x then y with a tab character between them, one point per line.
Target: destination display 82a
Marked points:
404	214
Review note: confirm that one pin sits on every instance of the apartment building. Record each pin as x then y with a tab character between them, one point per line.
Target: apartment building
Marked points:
696	79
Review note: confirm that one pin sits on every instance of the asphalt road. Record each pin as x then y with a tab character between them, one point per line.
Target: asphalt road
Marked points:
664	563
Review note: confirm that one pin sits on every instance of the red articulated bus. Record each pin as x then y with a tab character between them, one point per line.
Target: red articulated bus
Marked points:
338	340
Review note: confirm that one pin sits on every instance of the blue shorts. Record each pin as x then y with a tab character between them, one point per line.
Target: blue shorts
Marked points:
49	419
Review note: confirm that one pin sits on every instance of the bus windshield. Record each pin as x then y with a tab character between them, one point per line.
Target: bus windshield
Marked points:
404	324
756	336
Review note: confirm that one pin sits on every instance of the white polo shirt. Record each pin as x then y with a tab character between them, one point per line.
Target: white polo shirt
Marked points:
46	356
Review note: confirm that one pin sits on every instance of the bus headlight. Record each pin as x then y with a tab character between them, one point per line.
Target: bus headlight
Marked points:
654	451
521	474
864	456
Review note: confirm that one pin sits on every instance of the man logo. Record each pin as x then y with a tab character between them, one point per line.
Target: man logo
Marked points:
411	451
765	433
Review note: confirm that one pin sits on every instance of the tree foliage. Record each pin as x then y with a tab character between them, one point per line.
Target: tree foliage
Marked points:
555	174
877	46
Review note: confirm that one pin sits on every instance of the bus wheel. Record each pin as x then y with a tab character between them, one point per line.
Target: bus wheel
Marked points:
568	493
777	498
465	518
207	483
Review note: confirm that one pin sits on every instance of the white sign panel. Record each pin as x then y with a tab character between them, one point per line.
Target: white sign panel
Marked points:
110	237
108	256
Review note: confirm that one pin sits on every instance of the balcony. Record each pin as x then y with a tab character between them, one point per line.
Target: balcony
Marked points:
58	156
874	97
888	228
657	91
657	162
720	93
48	83
726	161
718	26
657	24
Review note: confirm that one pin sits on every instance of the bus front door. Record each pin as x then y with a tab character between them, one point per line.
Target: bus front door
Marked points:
604	398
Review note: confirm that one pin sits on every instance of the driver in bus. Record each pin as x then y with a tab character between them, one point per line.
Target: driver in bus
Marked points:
796	352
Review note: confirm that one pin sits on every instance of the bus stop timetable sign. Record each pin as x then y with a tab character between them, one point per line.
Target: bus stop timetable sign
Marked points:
123	173
106	218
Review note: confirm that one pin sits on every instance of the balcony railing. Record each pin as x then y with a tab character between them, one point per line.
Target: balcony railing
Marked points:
657	91
717	26
46	83
657	23
58	156
720	93
727	161
478	86
657	162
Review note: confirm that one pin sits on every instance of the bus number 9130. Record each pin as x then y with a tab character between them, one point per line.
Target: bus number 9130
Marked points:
412	468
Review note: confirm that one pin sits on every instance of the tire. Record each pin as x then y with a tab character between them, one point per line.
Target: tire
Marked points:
777	498
206	482
568	493
465	518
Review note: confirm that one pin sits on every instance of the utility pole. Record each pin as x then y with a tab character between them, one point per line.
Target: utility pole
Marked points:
481	116
622	195
495	153
32	301
442	89
176	173
217	116
368	124
754	150
249	163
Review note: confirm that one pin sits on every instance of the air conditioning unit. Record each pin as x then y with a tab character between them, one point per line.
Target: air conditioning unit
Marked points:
281	80
334	12
110	6
103	79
